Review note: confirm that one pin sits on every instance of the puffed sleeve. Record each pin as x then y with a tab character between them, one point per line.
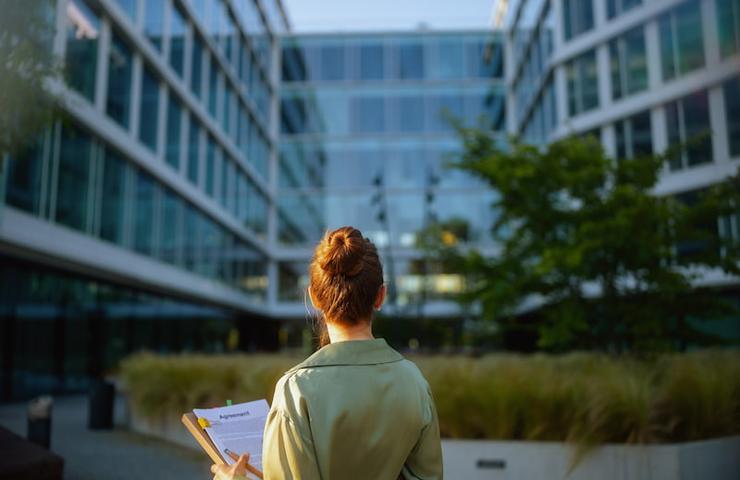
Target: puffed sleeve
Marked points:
425	460
287	448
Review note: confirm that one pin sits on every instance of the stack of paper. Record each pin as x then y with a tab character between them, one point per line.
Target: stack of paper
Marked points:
237	429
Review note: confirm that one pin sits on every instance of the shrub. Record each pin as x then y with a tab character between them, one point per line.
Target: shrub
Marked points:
587	399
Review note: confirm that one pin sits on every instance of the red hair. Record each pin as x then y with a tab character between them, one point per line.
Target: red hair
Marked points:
345	276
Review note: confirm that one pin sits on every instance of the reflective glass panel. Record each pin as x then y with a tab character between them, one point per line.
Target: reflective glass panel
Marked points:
83	30
174	127
120	69
371	62
75	149
193	150
178	29
728	26
148	114
113	198
144	189
154	22
196	68
24	177
731	92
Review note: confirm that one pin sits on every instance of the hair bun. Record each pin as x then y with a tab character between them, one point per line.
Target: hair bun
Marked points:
341	252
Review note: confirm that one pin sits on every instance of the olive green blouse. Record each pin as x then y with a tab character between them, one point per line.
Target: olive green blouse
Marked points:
353	410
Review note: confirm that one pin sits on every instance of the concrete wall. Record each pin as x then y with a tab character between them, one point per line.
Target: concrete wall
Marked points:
711	459
493	460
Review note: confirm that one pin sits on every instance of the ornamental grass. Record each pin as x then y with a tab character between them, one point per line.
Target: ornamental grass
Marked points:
582	398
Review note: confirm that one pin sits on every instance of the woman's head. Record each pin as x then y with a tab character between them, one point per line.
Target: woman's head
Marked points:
345	277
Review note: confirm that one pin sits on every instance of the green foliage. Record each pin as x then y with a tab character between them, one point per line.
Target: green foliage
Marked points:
585	243
26	64
585	399
169	385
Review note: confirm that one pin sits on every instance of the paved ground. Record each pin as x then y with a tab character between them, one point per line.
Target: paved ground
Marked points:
108	455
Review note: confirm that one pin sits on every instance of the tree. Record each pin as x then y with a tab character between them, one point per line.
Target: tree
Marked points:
589	252
27	63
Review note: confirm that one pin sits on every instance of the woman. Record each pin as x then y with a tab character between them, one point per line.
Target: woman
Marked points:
355	409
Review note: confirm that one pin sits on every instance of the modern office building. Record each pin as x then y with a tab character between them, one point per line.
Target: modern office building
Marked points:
202	152
365	136
639	74
142	219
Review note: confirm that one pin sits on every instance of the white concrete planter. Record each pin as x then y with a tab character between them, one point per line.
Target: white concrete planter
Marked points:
494	460
717	459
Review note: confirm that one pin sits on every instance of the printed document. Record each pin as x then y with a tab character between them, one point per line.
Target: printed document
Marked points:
237	428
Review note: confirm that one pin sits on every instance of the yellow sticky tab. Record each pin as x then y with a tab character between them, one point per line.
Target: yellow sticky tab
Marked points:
203	423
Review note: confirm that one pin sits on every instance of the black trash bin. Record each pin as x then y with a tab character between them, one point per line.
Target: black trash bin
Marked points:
100	409
39	421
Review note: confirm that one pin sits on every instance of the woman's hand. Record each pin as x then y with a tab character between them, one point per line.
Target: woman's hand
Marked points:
237	471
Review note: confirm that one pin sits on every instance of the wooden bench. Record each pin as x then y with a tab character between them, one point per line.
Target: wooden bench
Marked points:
23	460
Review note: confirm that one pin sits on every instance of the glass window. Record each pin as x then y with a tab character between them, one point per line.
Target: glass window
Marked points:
154	22
114	198
732	111
628	63
193	150
148	114
332	62
178	29
24	177
583	88
74	175
578	17
174	126
226	110
728	26
615	8
687	122
81	54
411	114
484	59
128	7
371	62
120	69
196	70
445	109
211	166
145	191
634	136
411	57
171	228
213	88
449	58
293	64
191	242
681	40
368	114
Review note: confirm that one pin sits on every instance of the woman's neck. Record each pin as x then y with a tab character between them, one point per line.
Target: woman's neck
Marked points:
343	333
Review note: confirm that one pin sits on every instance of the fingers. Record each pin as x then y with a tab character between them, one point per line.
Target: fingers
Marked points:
242	461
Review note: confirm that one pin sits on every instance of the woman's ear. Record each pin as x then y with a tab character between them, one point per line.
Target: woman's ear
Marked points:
380	297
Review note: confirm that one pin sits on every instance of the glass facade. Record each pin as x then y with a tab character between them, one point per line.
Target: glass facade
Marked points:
681	40
628	63
578	17
634	136
728	26
58	330
583	84
731	91
687	124
149	109
83	32
120	70
614	8
366	136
